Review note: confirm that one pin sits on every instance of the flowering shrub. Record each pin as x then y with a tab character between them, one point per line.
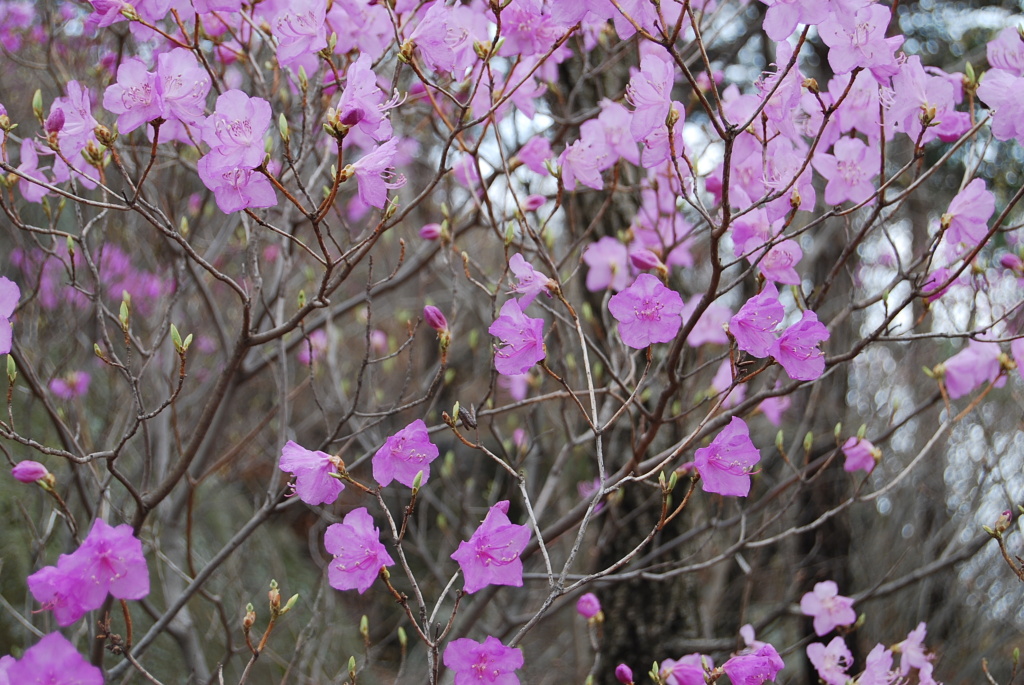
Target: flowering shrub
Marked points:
267	258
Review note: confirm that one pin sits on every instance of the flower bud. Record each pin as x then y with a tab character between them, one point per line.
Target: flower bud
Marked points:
588	606
54	123
29	471
624	674
1002	523
435	319
1012	262
534	202
431	231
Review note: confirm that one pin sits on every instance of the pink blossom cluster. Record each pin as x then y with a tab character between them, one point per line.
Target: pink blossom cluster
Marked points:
109	561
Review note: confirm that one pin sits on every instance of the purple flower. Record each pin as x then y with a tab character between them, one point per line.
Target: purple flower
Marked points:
534	153
28	471
530	281
486	662
109	560
135	98
966	220
754	669
404	455
54	661
1002	91
850	171
491	555
521	340
710	327
183	84
299	29
648	312
312	470
588	606
373	175
797	348
74	384
234	187
831	662
754	324
782	16
779	261
878	668
828	608
358	553
685	671
608	260
725	464
362	102
650	93
236	128
971	367
10	293
861	455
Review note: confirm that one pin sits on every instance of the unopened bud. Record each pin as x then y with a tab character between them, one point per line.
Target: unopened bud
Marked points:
250	617
435	319
364	627
624	674
1003	522
811	85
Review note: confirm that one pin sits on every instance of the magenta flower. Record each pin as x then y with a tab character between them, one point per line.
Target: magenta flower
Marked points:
235	188
362	102
54	661
725	464
647	311
861	455
966	220
28	471
970	368
435	318
828	608
521	340
486	662
10	293
530	282
430	231
588	606
358	553
236	128
754	324
797	348
608	260
831	662
491	555
135	98
850	171
685	671
109	560
312	470
375	176
74	384
404	455
754	669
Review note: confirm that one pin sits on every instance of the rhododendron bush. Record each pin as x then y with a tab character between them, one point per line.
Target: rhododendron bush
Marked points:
511	341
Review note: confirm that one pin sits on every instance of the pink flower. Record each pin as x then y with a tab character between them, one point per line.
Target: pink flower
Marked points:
588	606
971	367
10	293
797	348
109	560
404	455
314	346
754	669
236	128
55	661
486	662
135	98
850	171
491	555
609	266
831	662
878	668
358	553
647	311
685	671
779	261
913	654
782	16
28	471
754	324
710	327
725	464
861	455
312	470
534	153
967	218
650	93
521	340
299	29
375	176
74	384
828	608
530	281
234	187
